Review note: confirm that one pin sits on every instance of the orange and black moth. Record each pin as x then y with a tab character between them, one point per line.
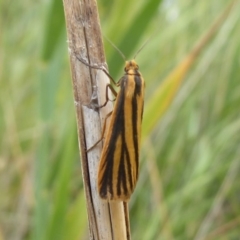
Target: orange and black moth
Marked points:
119	162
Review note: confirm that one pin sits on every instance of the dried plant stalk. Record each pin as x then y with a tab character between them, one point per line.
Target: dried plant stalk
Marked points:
106	220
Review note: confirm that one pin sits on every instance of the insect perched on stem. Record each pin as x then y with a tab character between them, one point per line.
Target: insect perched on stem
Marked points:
119	162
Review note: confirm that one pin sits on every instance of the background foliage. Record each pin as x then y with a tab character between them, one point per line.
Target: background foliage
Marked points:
189	182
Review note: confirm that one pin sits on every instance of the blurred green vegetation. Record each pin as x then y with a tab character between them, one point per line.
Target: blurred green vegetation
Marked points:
189	186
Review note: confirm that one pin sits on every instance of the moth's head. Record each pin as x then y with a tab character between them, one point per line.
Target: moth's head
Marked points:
130	65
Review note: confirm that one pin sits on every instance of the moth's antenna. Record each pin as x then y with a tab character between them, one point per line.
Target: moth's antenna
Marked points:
122	55
144	44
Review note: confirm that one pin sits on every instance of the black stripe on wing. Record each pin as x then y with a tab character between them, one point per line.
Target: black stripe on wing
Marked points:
135	107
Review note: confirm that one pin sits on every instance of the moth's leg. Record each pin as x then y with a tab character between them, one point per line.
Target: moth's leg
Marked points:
96	67
103	132
108	86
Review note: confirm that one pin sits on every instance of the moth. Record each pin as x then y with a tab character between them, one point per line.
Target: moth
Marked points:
119	161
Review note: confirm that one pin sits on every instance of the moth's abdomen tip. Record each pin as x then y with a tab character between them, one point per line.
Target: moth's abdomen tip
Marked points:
110	197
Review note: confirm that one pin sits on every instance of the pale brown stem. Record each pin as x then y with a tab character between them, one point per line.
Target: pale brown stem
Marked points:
106	220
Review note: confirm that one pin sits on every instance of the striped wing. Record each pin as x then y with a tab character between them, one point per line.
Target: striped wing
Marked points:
119	163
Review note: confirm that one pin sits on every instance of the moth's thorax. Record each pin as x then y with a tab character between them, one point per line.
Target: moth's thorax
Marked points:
131	67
